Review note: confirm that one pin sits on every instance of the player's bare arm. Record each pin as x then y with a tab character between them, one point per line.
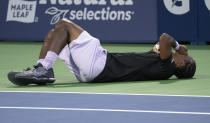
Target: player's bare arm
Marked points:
166	43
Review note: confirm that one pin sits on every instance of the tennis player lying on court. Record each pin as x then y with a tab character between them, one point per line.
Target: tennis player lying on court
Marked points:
89	62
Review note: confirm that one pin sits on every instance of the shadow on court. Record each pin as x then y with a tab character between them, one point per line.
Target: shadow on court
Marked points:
80	84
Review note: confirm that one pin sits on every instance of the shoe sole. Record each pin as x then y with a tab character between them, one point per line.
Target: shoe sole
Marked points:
35	80
24	81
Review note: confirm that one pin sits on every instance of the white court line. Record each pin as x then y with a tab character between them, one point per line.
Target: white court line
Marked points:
91	93
106	110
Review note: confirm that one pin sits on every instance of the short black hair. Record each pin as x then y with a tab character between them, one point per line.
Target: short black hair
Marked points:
187	71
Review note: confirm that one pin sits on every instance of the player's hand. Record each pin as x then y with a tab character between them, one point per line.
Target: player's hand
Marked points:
156	48
182	50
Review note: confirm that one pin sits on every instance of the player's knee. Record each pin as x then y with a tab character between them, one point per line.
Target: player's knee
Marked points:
60	24
63	24
64	20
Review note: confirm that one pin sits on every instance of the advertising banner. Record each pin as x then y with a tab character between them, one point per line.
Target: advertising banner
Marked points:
126	21
204	21
178	18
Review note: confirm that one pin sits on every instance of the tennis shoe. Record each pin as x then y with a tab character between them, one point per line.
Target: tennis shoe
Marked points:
37	75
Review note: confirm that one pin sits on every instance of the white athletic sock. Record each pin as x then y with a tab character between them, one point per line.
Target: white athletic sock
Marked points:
49	60
40	61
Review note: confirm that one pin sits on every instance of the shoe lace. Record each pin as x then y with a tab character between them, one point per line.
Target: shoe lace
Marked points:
29	68
35	66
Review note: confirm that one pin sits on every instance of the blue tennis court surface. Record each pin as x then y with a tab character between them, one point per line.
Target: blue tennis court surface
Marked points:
45	107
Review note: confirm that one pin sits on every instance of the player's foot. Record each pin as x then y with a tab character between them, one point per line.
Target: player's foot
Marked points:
38	75
11	77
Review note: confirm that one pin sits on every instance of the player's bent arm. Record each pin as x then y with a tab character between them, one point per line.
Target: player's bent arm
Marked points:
166	42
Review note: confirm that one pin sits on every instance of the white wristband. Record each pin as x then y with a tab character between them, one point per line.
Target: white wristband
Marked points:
157	47
177	46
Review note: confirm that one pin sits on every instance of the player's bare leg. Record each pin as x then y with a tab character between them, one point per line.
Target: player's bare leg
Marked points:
46	44
64	32
43	52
